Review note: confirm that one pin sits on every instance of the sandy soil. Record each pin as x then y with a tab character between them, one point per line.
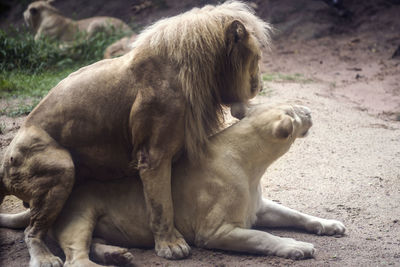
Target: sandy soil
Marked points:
348	168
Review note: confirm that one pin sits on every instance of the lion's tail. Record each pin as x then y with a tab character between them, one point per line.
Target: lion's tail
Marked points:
15	221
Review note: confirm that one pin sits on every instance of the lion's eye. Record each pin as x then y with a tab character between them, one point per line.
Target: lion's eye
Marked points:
33	11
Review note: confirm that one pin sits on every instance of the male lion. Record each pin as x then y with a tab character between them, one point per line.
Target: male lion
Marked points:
135	114
216	200
46	20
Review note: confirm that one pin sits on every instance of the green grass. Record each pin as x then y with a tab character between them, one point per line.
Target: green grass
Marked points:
23	91
21	84
29	68
280	77
19	50
21	109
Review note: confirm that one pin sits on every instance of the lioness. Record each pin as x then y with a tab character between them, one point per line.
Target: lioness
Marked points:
134	115
216	200
46	20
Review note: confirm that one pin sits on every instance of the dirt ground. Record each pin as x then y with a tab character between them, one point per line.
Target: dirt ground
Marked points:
348	168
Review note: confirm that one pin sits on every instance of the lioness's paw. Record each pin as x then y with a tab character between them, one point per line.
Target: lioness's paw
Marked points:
295	250
326	227
48	261
174	248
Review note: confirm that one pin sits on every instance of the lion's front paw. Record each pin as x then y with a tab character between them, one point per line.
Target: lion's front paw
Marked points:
293	249
173	248
326	227
40	254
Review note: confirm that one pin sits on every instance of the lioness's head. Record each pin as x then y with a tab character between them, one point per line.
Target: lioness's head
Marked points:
281	123
36	11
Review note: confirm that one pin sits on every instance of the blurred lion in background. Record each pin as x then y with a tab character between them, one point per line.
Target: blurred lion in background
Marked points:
47	21
120	47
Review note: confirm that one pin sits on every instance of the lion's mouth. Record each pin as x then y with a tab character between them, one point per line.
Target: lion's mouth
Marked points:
26	19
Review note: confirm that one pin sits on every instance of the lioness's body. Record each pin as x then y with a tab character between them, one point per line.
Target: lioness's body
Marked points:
135	115
216	200
46	20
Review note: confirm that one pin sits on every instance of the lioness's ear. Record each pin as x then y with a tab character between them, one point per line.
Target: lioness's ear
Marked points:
236	32
50	1
284	128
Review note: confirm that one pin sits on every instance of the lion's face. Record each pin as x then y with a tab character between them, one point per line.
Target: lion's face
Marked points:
33	14
251	79
244	55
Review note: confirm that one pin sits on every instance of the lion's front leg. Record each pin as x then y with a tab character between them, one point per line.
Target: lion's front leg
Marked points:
155	172
158	133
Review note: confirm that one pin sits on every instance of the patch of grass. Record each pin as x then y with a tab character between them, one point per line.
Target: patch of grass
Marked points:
19	50
280	77
266	91
21	84
29	68
19	110
28	89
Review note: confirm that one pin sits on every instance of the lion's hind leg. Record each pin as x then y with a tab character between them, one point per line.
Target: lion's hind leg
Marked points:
41	172
272	214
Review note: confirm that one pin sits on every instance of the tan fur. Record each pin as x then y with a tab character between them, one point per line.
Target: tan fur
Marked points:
46	20
120	47
135	114
216	200
203	33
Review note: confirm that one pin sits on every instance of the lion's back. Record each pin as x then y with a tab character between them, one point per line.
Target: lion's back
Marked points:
102	23
94	101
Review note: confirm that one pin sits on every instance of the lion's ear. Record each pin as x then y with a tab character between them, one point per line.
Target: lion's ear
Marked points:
236	32
50	1
284	128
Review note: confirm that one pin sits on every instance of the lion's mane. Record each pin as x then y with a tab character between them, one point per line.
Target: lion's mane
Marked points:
195	42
